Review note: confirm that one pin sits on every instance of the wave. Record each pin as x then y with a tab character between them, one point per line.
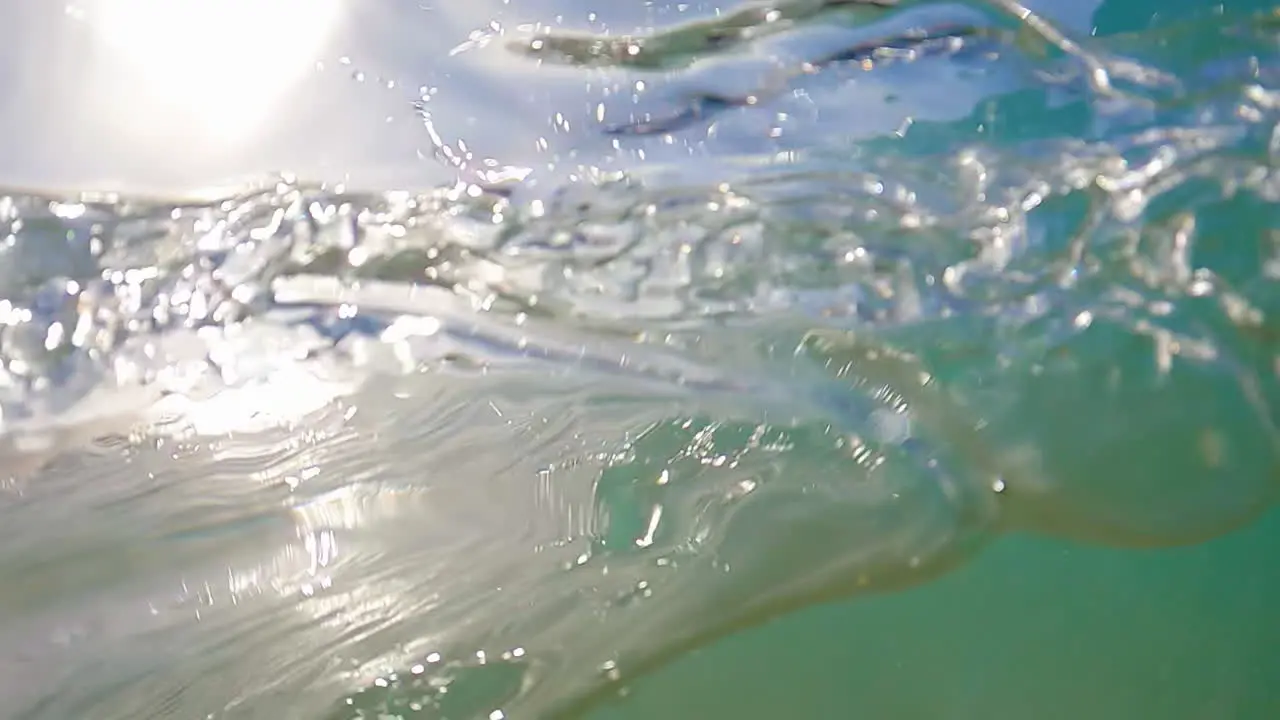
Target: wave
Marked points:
478	449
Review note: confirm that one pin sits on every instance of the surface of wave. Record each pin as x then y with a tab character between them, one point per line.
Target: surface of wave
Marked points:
495	451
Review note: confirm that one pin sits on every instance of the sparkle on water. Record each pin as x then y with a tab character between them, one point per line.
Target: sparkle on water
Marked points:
494	449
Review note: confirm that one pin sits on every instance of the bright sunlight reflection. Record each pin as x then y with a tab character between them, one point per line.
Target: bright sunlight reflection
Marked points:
222	63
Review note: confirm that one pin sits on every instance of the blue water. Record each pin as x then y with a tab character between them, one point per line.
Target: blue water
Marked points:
901	360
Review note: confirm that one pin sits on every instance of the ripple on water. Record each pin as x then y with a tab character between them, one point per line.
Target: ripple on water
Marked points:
473	454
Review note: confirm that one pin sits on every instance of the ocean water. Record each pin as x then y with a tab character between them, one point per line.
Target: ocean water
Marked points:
804	359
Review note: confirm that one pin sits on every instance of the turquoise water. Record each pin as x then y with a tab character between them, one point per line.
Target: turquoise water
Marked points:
1031	629
820	360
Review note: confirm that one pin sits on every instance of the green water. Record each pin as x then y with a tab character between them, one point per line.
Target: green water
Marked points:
1032	629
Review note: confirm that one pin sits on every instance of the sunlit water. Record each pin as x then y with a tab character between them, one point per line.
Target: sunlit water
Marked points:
735	341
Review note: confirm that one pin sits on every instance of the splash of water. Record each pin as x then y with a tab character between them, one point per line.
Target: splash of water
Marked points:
471	451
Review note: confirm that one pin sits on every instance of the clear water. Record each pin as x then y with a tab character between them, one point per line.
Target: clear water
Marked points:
941	335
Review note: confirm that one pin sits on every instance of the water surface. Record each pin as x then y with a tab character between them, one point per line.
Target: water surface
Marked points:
923	320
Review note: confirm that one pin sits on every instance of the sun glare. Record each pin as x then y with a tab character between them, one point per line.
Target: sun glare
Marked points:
222	63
